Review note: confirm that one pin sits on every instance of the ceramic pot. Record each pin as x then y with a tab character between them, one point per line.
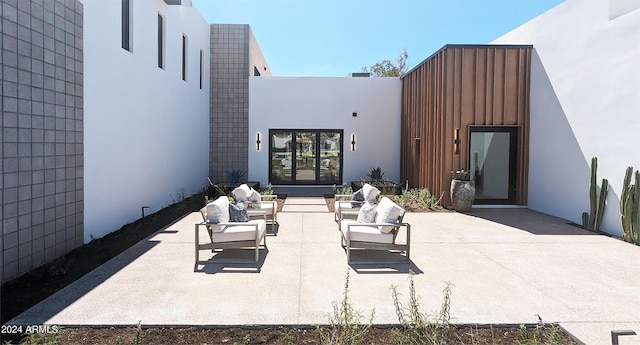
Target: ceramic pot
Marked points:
463	193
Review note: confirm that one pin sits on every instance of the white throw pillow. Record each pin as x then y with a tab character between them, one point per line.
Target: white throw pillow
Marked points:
241	193
254	196
218	211
370	192
387	212
367	213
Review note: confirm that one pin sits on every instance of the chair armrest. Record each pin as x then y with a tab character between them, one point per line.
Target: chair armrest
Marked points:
341	196
380	224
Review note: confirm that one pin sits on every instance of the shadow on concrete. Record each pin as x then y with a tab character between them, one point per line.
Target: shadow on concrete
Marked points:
232	261
75	291
381	262
531	221
273	230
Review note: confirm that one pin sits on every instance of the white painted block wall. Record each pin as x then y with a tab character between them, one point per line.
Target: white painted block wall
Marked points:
146	130
328	103
585	102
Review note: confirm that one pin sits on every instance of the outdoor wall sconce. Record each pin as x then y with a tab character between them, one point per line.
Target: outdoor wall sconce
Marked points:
354	114
258	142
456	141
353	141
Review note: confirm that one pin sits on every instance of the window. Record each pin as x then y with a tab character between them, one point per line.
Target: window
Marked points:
160	41
126	24
184	57
201	66
256	73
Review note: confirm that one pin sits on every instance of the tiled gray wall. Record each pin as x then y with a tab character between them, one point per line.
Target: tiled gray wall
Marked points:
229	108
256	59
234	54
42	132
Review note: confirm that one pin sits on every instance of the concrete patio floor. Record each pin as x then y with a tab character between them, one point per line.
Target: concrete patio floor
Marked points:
506	265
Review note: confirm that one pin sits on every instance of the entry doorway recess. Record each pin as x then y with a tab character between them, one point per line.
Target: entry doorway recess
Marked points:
493	163
305	156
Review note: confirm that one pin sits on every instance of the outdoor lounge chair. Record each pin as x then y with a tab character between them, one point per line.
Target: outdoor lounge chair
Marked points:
376	228
348	205
257	206
225	234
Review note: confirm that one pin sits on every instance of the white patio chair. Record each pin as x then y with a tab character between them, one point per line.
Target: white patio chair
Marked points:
225	234
348	205
258	205
376	228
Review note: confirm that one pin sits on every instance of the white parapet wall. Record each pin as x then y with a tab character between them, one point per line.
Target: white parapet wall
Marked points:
329	103
585	102
146	130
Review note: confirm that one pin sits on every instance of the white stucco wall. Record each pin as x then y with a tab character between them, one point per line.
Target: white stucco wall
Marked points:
585	102
328	103
146	130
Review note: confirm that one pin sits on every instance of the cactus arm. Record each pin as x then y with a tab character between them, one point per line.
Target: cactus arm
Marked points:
585	220
593	193
624	205
604	190
635	214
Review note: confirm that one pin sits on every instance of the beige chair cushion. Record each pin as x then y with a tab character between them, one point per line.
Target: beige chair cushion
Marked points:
364	233
370	192
218	211
241	193
387	212
367	213
241	232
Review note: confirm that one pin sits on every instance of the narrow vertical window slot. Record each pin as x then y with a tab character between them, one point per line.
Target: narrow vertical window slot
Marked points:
126	25
201	66
185	43
161	41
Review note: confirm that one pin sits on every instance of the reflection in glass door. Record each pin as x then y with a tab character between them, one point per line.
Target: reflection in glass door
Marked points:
281	154
305	156
493	163
330	157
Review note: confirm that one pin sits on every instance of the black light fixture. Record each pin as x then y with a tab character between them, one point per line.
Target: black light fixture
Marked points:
354	114
456	141
353	141
258	142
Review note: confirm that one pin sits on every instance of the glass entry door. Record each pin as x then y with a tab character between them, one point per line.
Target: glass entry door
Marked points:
305	156
492	161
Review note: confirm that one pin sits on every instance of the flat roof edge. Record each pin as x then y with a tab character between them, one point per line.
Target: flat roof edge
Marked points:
465	46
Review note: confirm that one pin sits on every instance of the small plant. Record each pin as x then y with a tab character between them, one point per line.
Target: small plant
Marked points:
375	174
542	334
268	190
630	207
462	175
345	324
235	176
418	327
591	221
417	199
344	189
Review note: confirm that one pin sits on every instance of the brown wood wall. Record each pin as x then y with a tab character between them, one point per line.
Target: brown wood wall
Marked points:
457	87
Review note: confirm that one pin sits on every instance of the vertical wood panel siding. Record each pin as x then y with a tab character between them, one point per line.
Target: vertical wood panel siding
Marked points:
458	87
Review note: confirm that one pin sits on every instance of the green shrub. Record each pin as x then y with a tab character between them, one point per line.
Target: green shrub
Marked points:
417	199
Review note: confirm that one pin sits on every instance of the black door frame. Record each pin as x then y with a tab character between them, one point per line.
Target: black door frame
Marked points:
318	133
513	161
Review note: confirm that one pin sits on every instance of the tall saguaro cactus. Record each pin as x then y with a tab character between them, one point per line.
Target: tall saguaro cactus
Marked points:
630	207
593	219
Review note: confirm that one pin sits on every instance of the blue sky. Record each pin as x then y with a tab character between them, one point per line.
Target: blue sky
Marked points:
336	37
